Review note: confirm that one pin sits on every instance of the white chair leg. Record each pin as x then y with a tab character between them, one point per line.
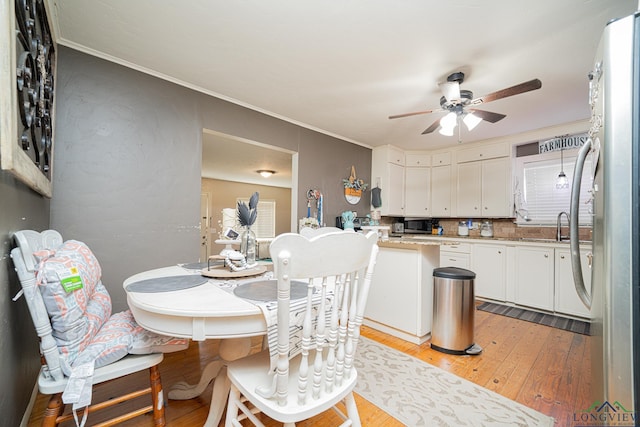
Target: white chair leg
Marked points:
352	410
232	407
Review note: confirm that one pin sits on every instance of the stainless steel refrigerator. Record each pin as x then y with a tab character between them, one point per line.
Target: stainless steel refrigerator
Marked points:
614	296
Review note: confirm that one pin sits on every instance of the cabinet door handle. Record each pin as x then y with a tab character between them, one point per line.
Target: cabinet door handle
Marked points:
546	255
561	256
499	252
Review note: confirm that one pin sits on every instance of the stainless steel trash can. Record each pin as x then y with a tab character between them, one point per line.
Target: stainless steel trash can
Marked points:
453	311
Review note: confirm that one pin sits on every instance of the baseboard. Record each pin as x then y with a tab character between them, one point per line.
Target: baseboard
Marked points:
396	332
29	408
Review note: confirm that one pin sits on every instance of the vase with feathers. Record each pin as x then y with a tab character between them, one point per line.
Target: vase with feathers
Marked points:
246	217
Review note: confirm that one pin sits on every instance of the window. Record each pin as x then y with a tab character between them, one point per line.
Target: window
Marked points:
265	225
536	193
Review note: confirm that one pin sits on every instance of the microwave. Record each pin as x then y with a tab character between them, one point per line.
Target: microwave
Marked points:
419	225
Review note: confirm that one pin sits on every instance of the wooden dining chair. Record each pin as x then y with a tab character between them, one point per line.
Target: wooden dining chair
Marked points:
75	326
305	377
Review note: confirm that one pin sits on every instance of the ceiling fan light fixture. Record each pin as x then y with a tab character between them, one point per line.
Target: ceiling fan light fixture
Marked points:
446	131
265	173
451	90
471	121
449	121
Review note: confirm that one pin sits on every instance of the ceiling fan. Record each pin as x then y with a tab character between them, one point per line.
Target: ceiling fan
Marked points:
459	104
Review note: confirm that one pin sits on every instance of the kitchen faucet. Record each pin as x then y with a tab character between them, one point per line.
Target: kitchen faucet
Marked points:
559	235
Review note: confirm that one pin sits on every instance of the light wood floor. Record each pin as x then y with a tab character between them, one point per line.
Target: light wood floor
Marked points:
543	368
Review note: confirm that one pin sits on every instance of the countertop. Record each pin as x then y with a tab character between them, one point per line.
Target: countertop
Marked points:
426	239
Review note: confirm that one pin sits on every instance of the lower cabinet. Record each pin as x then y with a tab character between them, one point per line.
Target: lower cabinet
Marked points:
567	300
401	295
490	266
534	277
456	256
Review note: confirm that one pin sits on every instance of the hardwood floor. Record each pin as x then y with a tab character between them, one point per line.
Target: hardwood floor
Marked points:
543	368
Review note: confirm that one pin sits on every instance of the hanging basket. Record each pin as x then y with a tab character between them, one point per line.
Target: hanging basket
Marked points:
353	187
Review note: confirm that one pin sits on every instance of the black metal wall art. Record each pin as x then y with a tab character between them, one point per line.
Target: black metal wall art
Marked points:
28	49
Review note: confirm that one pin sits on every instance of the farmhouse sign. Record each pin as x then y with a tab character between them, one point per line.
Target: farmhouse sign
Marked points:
566	142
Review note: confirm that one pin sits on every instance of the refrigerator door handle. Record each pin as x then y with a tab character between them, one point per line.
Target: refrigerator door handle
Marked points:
576	264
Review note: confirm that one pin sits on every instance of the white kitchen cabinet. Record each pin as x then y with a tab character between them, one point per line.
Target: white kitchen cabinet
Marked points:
496	188
483	152
469	194
441	191
417	159
484	188
417	191
401	295
566	297
456	256
534	277
387	169
490	266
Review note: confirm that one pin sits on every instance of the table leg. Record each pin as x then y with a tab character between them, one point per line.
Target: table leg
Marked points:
230	349
183	390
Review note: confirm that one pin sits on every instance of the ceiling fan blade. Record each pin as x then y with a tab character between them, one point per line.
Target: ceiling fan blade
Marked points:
415	113
487	115
431	128
450	90
510	91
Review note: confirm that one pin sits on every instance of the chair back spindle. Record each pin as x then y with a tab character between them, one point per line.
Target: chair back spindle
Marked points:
337	266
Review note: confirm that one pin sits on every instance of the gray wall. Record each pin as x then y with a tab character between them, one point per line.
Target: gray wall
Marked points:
20	208
127	164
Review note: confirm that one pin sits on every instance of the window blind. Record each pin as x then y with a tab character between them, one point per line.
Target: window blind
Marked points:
265	225
540	198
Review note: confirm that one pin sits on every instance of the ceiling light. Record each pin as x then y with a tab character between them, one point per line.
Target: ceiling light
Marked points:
446	131
562	181
449	121
448	124
265	172
471	120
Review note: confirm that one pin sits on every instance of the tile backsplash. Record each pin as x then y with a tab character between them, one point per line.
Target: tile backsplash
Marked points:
503	228
506	228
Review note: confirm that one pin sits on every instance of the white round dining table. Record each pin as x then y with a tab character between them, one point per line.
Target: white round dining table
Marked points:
201	312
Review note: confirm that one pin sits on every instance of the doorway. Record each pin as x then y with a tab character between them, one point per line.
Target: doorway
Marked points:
230	171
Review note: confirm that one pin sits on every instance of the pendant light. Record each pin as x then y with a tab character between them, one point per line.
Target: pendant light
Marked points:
562	181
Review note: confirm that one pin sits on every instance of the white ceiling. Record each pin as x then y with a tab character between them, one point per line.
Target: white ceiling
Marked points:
232	159
343	66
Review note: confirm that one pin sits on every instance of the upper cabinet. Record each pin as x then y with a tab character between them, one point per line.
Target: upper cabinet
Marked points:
484	182
387	169
473	182
417	185
441	184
